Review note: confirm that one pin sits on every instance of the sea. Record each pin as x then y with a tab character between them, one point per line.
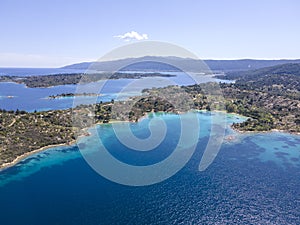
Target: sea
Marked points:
254	178
15	96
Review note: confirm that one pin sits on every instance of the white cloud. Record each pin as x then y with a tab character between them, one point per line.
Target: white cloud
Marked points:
133	35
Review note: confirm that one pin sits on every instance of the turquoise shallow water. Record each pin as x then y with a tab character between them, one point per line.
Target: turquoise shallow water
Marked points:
255	178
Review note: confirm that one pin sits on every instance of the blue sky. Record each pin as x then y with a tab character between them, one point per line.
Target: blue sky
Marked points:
51	33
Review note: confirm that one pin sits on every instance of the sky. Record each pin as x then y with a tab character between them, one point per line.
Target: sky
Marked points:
54	33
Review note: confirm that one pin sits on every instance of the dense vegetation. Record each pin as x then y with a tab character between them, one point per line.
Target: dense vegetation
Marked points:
283	80
270	96
271	101
266	111
22	132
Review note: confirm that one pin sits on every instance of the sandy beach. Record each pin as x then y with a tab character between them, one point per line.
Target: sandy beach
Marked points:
86	133
27	154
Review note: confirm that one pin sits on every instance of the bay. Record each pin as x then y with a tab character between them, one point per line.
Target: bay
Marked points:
254	179
251	180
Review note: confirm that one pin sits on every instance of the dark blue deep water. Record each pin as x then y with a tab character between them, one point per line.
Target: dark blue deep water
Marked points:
255	179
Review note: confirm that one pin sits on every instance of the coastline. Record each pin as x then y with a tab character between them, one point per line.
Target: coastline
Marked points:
7	165
19	158
264	132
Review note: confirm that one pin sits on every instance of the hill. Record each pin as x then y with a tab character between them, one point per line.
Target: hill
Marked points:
281	79
191	65
283	69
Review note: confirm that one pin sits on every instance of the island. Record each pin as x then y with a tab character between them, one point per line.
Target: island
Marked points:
72	95
75	78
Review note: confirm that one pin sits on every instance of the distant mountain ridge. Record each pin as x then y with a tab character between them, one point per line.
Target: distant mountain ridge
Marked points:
283	69
153	63
280	79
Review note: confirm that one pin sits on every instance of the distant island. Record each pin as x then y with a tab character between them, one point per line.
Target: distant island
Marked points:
269	97
67	95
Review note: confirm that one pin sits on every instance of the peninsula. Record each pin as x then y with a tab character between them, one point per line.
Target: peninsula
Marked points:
270	100
75	78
